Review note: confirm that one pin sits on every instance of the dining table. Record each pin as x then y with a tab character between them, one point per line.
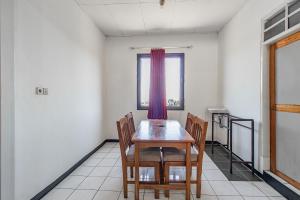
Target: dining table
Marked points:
162	133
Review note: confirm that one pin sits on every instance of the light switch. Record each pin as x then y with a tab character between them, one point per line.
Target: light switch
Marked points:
45	91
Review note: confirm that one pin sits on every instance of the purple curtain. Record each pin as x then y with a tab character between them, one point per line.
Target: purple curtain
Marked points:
157	96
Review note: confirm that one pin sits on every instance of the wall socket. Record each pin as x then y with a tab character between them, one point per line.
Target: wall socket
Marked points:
41	91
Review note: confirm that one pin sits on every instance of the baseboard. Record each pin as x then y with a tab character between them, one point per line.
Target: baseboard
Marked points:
112	140
67	173
280	187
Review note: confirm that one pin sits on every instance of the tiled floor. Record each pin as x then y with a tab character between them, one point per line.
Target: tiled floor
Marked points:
100	178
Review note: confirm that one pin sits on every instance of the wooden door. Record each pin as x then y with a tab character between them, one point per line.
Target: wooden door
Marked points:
285	109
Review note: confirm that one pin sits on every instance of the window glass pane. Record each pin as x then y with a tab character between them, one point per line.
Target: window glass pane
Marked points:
279	28
294	6
275	19
294	19
145	81
287	74
172	67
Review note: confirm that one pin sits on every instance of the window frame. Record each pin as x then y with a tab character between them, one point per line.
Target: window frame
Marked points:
168	55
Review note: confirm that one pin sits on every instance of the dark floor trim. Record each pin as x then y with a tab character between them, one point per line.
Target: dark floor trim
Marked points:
281	188
258	173
67	173
112	140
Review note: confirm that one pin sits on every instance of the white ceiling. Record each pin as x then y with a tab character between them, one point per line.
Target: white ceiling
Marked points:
142	17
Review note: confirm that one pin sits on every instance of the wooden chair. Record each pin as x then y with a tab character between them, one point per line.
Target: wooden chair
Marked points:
149	157
130	119
131	123
176	157
189	122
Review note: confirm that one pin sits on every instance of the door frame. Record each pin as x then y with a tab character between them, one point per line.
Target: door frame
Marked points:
7	125
279	107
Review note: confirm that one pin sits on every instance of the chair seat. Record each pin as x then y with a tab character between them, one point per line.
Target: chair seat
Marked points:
146	154
178	155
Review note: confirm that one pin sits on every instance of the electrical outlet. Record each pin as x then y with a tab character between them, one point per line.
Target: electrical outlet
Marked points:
45	91
39	91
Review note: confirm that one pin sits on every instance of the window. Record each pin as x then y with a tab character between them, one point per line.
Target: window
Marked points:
283	20
174	70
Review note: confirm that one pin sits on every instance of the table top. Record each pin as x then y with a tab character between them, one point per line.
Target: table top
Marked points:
161	131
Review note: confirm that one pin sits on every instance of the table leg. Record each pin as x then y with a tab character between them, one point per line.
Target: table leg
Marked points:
188	171
137	171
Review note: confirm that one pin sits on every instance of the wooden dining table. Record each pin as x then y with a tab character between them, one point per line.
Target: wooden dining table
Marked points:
162	133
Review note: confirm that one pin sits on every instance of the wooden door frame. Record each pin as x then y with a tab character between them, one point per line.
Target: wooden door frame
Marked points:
279	107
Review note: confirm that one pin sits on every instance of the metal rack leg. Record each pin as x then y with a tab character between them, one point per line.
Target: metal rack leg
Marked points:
252	146
212	133
230	133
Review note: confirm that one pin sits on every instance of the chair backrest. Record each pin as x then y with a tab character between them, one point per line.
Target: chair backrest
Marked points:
199	129
131	122
124	135
189	123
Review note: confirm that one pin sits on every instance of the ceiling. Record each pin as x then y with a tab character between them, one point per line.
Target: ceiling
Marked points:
146	17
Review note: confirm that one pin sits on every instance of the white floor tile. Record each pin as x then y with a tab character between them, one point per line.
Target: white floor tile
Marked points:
150	196
100	171
82	195
223	188
277	198
206	197
112	184
58	194
107	162
209	165
91	183
83	171
230	198
247	188
104	150
92	162
113	155
256	198
214	175
267	189
71	182
116	150
107	195
176	196
130	196
119	163
99	155
117	172
205	188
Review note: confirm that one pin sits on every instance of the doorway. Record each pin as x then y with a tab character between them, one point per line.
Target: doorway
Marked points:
285	109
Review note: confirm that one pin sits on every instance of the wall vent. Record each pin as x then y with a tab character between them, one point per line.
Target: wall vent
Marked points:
286	18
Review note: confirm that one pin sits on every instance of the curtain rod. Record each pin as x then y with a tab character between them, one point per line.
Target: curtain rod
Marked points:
170	47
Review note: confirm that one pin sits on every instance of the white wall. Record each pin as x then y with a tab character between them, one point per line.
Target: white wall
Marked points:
57	47
201	79
240	74
7	99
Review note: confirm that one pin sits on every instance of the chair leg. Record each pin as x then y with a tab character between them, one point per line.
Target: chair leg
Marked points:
125	183
167	179
131	172
198	184
157	179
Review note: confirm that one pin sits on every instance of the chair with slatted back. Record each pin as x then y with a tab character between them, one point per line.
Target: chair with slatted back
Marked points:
176	157
189	122
149	157
130	119
131	122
